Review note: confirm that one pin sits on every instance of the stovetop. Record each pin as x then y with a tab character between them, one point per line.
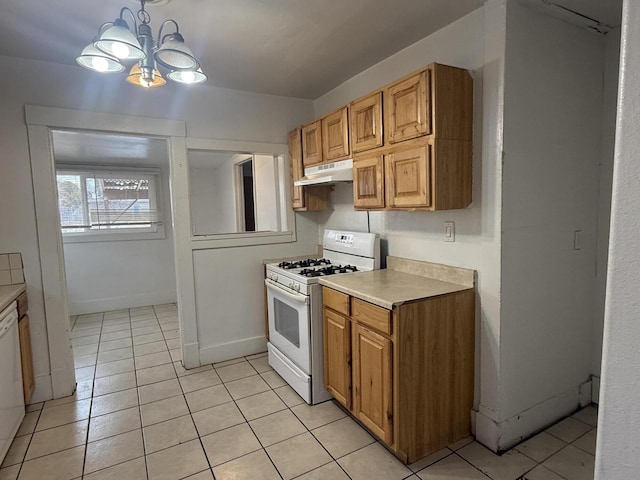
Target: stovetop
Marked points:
315	267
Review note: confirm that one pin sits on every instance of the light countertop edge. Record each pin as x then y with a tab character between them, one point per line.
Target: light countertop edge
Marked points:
390	288
8	293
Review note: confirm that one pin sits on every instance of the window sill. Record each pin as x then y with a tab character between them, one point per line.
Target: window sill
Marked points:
112	237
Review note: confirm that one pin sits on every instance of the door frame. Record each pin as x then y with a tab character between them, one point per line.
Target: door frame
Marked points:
40	122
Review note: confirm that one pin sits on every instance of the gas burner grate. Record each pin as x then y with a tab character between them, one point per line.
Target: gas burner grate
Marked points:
309	262
329	270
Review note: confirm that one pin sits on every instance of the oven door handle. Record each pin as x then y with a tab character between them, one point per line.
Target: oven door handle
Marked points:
298	297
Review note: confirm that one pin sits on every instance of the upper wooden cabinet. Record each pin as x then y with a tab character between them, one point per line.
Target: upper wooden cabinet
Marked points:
437	101
308	198
335	135
312	144
408	178
368	181
297	169
409	108
366	122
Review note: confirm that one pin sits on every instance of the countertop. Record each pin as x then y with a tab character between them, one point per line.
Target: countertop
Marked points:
9	293
402	281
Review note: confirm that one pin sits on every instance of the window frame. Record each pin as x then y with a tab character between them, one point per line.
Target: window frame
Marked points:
155	232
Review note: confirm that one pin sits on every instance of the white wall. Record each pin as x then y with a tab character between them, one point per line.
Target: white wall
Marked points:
209	112
110	275
266	193
612	64
206	208
618	449
552	131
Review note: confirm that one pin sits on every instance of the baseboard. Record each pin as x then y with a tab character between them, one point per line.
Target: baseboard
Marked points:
191	355
227	351
63	382
124	301
43	390
595	389
501	436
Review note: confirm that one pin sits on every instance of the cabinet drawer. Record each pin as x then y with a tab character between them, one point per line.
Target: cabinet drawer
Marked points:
371	315
23	305
335	300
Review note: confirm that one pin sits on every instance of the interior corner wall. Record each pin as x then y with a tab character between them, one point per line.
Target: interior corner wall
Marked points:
111	275
617	448
552	143
209	112
612	64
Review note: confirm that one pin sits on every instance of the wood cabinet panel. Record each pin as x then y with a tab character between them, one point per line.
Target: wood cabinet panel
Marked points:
372	382
297	169
312	144
408	106
335	300
366	123
408	179
311	197
335	135
26	359
337	356
368	181
371	315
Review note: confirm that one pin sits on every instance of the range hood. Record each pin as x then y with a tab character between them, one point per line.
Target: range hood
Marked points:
341	171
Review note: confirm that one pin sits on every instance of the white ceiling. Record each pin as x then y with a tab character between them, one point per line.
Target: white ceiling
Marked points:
297	48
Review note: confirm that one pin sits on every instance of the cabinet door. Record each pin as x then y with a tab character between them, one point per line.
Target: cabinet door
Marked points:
366	123
335	135
312	144
337	356
368	181
408	179
26	358
297	170
408	108
372	382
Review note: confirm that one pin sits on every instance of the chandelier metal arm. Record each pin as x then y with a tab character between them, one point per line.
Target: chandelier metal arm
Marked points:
160	37
133	17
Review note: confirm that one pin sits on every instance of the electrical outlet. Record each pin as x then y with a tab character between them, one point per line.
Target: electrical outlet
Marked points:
449	231
577	240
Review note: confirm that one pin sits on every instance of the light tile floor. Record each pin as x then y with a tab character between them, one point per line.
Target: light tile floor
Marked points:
138	414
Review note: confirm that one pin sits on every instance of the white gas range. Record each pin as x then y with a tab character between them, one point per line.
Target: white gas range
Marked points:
295	307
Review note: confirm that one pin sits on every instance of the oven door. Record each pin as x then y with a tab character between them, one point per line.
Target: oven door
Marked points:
289	320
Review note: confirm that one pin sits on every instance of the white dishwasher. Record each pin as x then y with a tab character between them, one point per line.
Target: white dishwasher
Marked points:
11	395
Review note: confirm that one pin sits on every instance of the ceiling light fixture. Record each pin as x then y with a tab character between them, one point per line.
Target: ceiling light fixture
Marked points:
117	45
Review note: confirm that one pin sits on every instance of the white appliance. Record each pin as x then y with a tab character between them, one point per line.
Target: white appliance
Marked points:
295	308
11	395
341	171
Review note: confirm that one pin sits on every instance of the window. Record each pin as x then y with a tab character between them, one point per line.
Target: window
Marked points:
109	203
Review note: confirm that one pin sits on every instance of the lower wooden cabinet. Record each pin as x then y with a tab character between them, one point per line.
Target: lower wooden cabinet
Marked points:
406	374
372	388
26	358
337	366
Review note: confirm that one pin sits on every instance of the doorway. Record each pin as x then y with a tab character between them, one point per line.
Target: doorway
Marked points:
42	122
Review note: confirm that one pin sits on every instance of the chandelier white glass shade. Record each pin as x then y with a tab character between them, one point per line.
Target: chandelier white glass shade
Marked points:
116	46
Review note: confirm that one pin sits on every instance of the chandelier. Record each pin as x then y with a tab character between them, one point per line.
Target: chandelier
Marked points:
116	47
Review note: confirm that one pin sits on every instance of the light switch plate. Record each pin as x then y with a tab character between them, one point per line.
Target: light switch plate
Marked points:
449	231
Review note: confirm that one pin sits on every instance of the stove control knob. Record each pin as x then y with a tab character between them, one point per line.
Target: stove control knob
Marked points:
273	277
296	287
